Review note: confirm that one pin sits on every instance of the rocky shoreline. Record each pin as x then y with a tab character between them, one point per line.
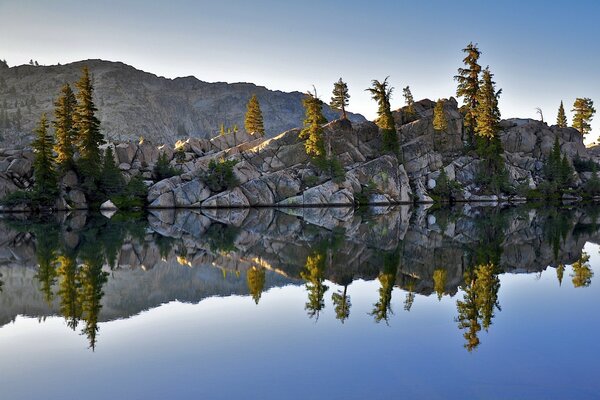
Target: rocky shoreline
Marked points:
276	172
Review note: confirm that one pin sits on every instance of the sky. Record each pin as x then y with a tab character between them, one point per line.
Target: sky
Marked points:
540	52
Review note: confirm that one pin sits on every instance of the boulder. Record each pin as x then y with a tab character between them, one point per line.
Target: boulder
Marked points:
228	199
19	167
258	193
76	199
161	187
108	205
165	200
125	152
191	194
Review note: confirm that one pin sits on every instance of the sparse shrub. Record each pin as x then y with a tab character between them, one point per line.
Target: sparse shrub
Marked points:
220	176
133	196
446	189
362	198
163	169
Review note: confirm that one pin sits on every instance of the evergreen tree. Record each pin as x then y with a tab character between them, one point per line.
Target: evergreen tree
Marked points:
557	171
468	86
111	179
44	173
584	113
88	130
409	102
561	119
313	125
440	123
253	123
340	98
163	169
487	113
64	128
381	92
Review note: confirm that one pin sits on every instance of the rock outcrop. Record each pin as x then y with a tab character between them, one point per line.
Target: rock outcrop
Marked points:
277	172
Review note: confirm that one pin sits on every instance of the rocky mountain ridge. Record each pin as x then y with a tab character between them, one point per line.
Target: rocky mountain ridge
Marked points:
133	103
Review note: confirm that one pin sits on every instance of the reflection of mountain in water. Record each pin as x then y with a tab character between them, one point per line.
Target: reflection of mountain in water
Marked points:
124	266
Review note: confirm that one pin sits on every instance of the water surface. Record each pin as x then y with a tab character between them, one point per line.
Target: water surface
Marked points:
469	302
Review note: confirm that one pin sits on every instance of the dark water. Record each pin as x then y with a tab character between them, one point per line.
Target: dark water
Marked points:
470	302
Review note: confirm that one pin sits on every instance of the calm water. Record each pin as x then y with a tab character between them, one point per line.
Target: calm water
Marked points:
471	302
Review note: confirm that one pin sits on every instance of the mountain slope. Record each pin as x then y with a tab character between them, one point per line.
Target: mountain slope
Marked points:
133	103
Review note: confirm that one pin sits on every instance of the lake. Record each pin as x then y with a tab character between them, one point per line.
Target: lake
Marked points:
468	302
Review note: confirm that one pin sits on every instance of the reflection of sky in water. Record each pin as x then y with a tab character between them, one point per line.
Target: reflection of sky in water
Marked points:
543	344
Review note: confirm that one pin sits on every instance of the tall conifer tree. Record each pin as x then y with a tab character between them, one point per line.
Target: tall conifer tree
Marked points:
381	92
468	85
561	119
253	122
88	127
440	123
340	98
487	112
64	128
409	102
44	174
584	113
313	125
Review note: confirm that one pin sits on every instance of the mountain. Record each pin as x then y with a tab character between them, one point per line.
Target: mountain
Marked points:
133	103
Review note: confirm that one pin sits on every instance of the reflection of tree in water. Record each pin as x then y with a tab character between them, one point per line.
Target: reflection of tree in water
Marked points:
481	282
440	277
78	270
556	226
69	289
411	282
93	279
480	299
45	253
255	278
560	271
387	278
221	237
342	304
314	275
582	272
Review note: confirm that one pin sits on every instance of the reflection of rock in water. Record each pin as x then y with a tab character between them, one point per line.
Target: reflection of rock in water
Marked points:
190	255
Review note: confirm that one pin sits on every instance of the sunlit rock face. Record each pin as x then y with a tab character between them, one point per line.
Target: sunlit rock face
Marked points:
133	103
191	255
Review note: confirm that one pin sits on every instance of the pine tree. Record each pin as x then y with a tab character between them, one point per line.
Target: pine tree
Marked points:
584	113
313	125
381	92
111	180
340	98
64	129
253	122
440	123
468	86
487	112
410	102
561	119
44	174
88	130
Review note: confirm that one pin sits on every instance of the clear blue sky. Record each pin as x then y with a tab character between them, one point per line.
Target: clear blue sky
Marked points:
540	51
